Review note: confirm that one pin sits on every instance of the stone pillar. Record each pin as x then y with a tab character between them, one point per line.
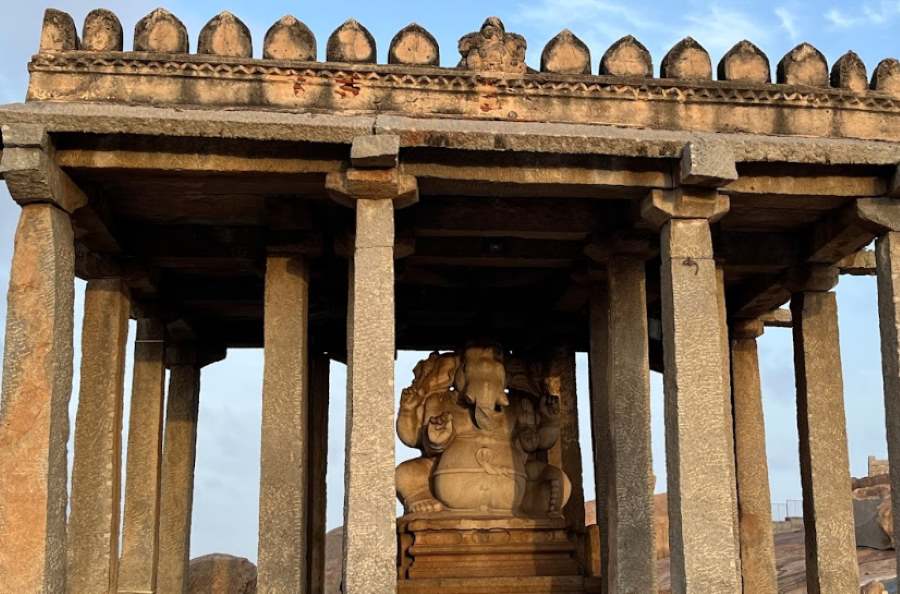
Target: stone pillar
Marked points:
177	492
754	502
727	402
373	186
319	373
566	454
831	566
140	529
598	370
34	416
884	215
631	532
283	459
887	254
704	557
370	547
96	472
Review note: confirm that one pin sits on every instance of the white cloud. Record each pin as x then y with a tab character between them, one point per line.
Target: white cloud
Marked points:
718	28
868	15
788	22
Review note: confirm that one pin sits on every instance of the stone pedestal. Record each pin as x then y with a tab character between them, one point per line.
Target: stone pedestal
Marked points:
488	555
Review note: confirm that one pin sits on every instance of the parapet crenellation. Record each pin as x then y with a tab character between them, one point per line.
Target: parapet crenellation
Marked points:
491	49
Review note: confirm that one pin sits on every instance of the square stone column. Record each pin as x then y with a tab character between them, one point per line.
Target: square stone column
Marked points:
754	500
887	254
883	214
96	471
319	376
140	528
704	556
283	463
631	532
566	453
831	565
370	547
34	416
598	360
701	526
374	187
179	456
729	411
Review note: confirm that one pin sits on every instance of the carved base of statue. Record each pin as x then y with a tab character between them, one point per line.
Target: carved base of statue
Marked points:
488	555
482	503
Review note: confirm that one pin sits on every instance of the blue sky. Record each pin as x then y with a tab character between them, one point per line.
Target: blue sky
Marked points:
225	510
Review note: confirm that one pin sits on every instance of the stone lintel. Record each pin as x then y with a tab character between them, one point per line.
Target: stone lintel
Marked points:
748	329
601	250
779	318
346	187
861	263
31	173
684	203
198	354
375	152
882	214
817	278
707	163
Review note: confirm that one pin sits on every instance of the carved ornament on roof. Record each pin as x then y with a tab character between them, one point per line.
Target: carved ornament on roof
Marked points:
492	49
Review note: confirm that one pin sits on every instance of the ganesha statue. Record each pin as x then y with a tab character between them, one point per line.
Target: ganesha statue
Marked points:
483	441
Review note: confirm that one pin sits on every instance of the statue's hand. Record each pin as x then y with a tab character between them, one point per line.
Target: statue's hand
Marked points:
529	438
440	429
411	398
550	407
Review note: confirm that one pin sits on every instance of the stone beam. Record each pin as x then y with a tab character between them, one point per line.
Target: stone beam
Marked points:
862	263
524	218
852	228
778	318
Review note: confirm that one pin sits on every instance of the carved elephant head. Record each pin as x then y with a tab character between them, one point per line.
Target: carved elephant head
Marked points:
481	377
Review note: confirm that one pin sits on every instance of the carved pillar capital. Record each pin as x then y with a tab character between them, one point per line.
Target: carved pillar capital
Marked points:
881	214
375	174
685	202
31	173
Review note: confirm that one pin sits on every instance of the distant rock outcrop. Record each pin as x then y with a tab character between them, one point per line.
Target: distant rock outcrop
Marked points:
221	574
872	512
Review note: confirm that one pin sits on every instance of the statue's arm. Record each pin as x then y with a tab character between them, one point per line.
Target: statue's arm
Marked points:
548	433
410	418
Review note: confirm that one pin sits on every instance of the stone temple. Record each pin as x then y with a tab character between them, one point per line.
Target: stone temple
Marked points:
502	217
